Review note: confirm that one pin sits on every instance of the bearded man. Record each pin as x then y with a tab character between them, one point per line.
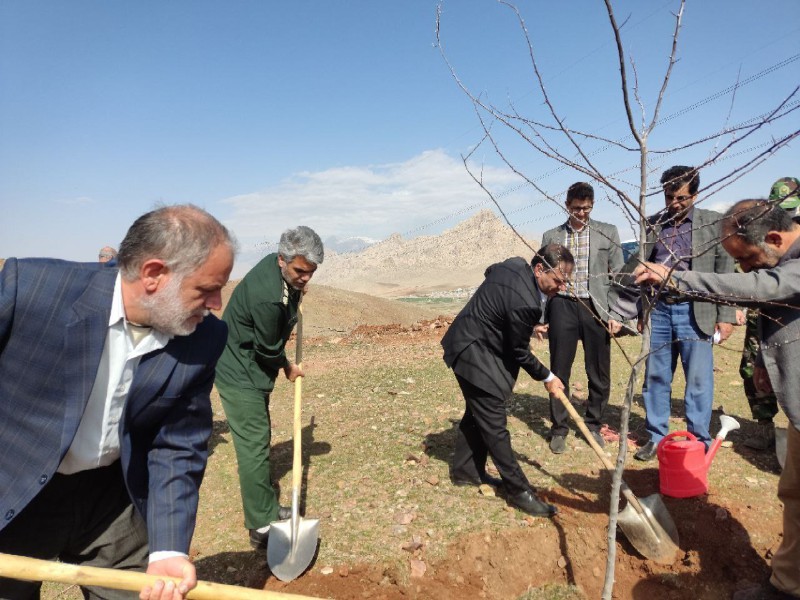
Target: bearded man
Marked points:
105	376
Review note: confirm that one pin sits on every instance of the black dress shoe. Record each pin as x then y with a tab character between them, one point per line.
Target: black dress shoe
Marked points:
462	481
258	540
528	502
646	452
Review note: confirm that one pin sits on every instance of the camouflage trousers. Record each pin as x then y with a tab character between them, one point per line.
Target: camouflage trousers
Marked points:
763	406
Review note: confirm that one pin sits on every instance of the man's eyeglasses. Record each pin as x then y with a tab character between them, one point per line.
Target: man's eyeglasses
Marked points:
672	197
580	209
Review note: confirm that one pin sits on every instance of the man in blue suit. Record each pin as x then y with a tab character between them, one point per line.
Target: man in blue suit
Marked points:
105	376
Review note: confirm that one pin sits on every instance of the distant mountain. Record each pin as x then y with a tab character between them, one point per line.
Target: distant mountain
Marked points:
341	245
457	258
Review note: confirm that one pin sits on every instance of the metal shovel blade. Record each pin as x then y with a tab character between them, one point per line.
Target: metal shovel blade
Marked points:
290	550
646	522
652	532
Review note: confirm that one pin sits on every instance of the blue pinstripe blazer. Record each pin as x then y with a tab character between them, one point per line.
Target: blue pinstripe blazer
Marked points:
53	323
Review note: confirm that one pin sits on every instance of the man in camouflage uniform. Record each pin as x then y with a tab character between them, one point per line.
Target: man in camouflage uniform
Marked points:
764	405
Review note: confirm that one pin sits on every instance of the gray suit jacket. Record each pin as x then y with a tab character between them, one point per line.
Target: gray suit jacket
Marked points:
605	260
776	293
708	256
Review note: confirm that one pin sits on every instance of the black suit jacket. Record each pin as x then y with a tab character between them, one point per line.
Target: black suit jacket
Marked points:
490	338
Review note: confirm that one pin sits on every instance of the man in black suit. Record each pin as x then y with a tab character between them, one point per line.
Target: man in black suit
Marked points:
485	346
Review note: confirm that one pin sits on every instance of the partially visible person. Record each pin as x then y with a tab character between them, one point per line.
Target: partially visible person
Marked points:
106	254
765	241
683	238
763	403
486	345
261	315
105	376
581	313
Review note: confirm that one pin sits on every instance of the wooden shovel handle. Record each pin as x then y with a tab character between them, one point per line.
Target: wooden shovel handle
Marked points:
297	433
33	569
626	491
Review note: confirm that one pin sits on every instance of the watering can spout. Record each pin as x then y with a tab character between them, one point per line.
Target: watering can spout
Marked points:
727	424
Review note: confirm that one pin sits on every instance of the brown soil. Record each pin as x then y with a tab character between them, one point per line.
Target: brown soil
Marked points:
726	537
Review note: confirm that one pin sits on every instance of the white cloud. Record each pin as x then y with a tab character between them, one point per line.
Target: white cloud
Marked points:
371	201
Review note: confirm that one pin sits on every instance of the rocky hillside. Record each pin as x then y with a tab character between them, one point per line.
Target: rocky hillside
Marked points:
423	265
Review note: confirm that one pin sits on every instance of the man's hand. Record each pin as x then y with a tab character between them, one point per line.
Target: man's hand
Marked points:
540	331
650	273
553	385
761	380
176	566
741	317
614	326
293	371
725	331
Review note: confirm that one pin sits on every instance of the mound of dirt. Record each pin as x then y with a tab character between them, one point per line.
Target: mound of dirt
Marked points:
455	259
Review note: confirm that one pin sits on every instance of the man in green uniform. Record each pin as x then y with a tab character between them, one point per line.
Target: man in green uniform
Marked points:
260	316
764	405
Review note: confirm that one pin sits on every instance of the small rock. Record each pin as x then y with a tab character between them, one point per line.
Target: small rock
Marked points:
596	571
432	480
404	518
326	570
486	490
562	562
412	546
231	569
721	514
418	568
344	572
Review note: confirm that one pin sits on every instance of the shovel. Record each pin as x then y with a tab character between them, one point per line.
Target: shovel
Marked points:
34	569
646	523
292	543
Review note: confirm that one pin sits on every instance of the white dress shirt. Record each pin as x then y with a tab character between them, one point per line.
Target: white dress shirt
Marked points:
96	443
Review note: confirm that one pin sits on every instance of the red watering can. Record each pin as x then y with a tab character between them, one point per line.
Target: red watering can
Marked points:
683	461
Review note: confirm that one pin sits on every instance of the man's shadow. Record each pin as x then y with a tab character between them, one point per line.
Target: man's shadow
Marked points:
281	455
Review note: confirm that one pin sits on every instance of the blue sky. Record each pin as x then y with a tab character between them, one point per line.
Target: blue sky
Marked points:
344	116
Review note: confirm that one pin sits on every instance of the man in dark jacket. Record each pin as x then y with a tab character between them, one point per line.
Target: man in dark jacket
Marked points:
485	346
105	376
260	315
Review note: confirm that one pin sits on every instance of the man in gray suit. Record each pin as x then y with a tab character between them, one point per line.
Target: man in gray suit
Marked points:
683	238
765	242
580	313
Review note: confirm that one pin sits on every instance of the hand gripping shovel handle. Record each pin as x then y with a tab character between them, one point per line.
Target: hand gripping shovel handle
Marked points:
629	495
33	569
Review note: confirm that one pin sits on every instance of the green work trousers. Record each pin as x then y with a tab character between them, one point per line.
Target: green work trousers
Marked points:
247	412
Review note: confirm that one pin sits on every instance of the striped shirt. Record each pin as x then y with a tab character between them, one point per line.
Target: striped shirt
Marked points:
577	242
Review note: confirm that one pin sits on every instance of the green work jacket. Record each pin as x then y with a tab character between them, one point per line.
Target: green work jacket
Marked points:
260	315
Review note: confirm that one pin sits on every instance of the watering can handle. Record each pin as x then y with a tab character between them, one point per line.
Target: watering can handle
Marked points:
684	434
